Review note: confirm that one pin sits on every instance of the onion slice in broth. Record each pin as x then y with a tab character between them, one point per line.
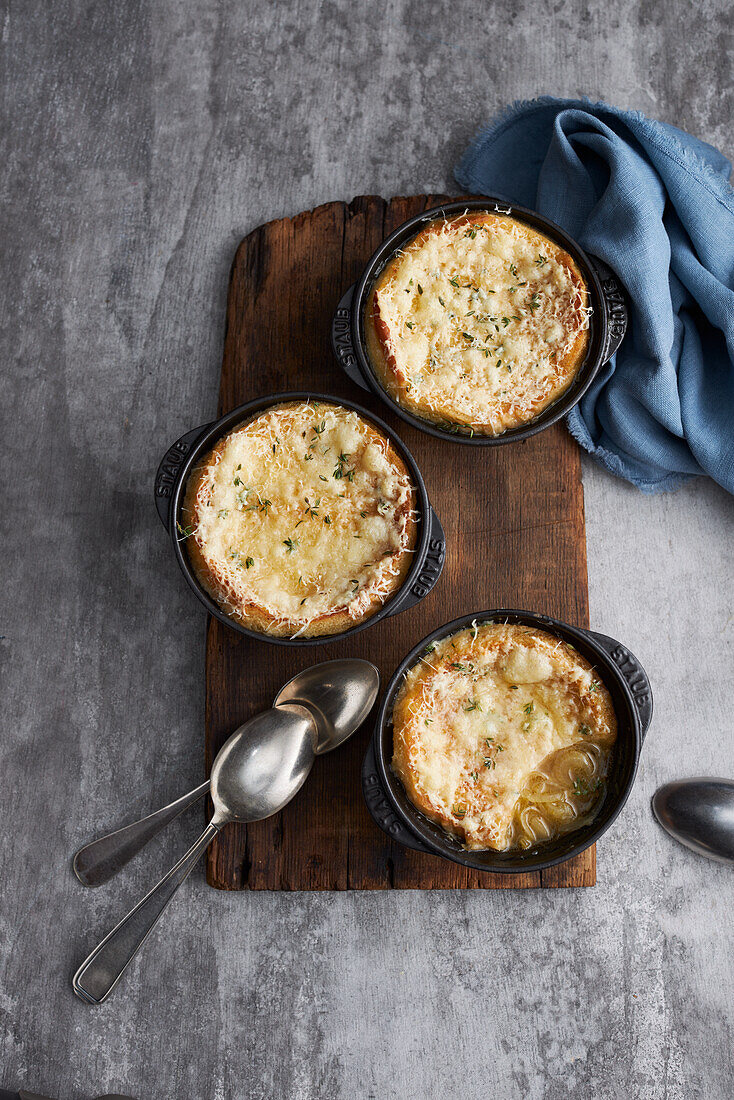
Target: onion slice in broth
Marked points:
564	792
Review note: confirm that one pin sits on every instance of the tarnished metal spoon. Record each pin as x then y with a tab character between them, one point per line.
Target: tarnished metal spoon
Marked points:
338	694
256	773
699	812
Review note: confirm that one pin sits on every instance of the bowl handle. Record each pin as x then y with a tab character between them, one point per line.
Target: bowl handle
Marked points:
633	672
430	570
169	469
380	809
615	307
341	340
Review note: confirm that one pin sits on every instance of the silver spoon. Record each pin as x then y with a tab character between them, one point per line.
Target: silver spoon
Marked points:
338	694
699	813
256	773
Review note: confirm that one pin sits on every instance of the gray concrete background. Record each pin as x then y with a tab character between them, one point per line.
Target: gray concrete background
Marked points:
140	143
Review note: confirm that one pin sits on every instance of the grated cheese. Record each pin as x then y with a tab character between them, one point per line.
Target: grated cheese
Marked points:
303	514
479	322
477	718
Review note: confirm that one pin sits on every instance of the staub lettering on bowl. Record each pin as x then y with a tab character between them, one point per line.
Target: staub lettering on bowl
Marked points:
342	337
169	468
379	806
616	314
633	674
431	570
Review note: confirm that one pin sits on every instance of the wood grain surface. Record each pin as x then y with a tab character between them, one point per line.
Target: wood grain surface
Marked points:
514	523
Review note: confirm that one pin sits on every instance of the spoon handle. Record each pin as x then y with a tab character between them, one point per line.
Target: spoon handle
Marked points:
100	860
101	971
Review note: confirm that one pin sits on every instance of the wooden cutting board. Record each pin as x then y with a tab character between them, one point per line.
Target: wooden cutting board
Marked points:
514	523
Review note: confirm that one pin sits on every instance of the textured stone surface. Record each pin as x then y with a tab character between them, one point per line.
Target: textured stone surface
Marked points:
141	141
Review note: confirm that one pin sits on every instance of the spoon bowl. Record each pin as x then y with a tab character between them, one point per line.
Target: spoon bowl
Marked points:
699	813
338	694
263	765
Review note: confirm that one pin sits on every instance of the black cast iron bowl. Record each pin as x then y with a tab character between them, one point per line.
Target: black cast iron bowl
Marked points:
607	323
170	489
629	688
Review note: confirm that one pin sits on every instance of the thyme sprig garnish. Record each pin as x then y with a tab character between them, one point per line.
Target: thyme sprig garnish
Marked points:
236	556
340	471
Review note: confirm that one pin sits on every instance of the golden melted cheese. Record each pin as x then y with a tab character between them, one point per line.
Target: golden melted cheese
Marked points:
301	521
480	322
502	734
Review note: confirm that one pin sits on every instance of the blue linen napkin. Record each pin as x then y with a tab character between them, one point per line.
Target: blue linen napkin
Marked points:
655	204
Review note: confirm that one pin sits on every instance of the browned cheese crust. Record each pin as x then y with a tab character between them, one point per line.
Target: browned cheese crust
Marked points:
503	736
302	521
478	324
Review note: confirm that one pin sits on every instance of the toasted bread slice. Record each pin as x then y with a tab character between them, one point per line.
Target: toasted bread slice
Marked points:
502	735
479	323
302	521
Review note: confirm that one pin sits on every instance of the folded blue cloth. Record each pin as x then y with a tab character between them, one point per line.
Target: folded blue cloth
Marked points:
655	204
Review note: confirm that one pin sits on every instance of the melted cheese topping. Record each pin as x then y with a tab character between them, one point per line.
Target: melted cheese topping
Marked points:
303	513
479	322
488	721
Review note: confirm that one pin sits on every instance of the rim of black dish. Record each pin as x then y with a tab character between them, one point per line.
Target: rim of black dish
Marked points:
226	423
598	321
431	834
